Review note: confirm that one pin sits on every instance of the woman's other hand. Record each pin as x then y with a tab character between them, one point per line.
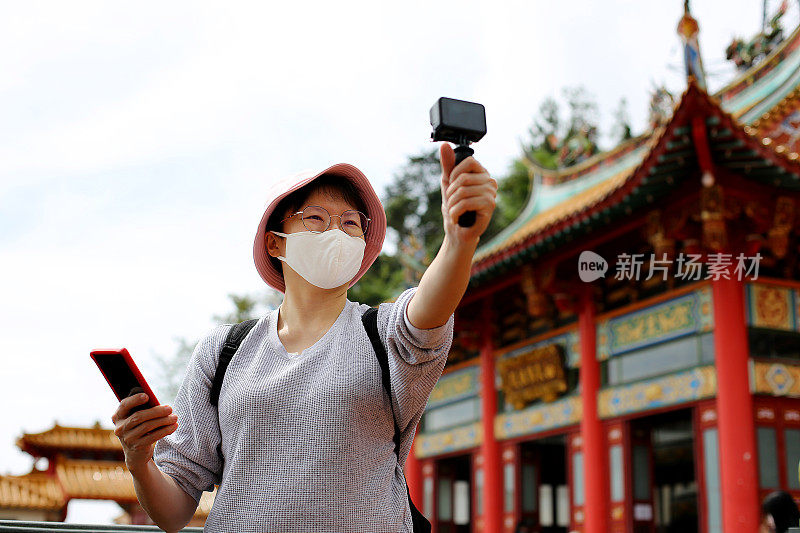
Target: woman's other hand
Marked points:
139	431
467	187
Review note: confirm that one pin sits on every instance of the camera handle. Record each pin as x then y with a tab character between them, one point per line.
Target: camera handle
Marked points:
466	219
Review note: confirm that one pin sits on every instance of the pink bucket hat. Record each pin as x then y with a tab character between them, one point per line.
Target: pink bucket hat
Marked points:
376	231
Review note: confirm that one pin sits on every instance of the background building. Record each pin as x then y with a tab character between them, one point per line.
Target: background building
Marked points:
82	463
662	396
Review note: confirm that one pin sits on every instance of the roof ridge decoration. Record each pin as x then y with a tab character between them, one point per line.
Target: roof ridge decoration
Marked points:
66	437
755	72
748	80
572	172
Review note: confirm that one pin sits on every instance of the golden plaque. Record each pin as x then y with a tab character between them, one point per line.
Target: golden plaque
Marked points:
534	375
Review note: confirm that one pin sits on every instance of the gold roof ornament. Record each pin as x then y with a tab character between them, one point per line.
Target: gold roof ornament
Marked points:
688	30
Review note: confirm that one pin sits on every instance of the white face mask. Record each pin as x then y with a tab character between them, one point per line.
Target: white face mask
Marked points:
327	260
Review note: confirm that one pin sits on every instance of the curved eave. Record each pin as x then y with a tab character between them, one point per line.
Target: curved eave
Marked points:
548	189
756	157
548	223
769	92
637	187
591	164
539	214
766	124
770	164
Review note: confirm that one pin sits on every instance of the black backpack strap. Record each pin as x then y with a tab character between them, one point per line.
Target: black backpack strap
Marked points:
235	337
370	320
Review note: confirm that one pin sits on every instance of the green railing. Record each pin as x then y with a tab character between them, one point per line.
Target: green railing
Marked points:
18	526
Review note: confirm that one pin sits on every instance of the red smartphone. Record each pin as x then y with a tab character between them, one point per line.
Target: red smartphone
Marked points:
123	375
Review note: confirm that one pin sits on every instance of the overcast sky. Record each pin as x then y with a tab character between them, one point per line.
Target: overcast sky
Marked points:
138	140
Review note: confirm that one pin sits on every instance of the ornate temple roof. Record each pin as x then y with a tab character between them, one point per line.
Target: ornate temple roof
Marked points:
62	438
753	126
69	478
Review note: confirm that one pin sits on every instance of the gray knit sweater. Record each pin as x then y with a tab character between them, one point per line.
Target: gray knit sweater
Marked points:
307	438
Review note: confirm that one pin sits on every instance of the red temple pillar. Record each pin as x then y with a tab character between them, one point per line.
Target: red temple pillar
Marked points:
493	482
737	441
595	452
414	476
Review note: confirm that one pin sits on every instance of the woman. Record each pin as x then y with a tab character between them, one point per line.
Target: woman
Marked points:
305	427
778	513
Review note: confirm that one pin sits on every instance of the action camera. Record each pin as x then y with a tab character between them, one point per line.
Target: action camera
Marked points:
460	123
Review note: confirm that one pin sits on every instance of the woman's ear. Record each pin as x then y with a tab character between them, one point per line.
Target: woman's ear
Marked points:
276	245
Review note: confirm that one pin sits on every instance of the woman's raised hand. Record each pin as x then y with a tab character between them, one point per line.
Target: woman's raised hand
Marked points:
139	431
465	187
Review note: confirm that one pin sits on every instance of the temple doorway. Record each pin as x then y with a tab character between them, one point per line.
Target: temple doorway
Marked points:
544	493
665	496
453	495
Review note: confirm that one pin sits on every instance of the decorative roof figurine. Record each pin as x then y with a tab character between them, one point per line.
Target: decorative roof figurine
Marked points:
746	54
662	103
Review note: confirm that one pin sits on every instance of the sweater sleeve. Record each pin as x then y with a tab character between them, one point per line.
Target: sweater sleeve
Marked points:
416	358
189	454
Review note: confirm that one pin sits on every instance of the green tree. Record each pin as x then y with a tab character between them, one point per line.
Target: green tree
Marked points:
413	202
171	370
557	141
545	134
247	306
582	110
622	122
513	190
384	279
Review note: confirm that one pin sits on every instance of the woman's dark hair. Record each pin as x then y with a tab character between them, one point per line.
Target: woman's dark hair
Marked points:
334	186
781	506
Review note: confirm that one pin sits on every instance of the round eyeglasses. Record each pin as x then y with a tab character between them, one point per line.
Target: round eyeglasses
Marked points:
317	219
